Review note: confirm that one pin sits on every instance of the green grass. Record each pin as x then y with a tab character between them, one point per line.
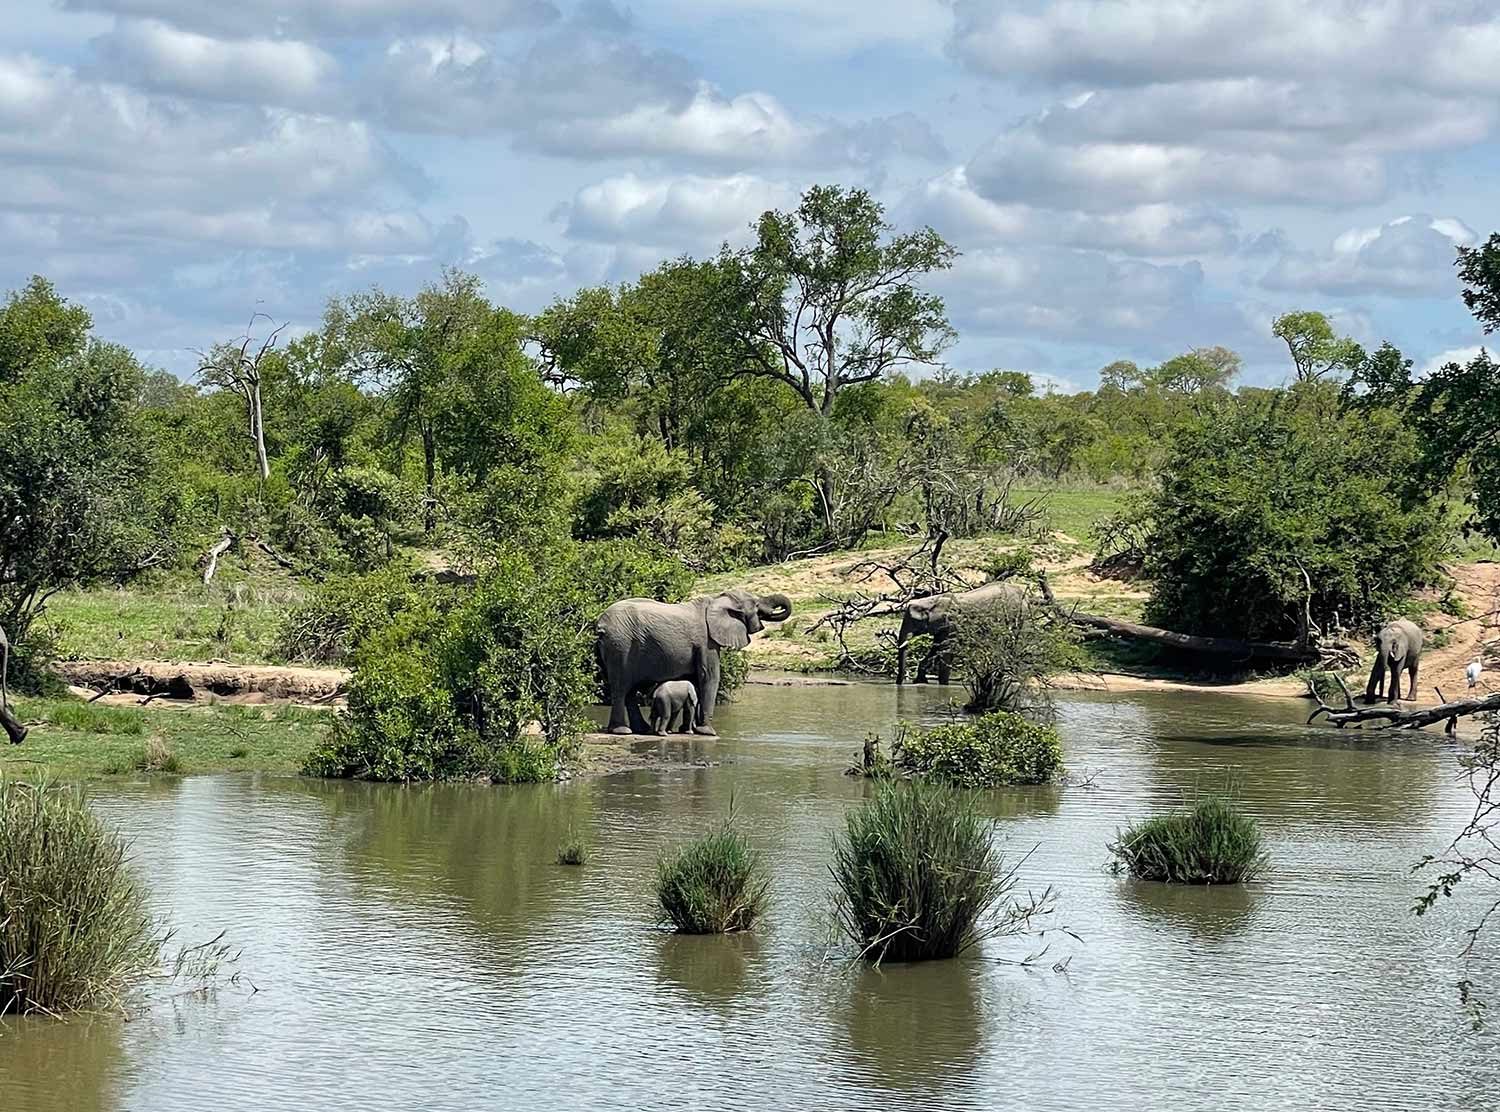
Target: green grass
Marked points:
1212	842
198	739
173	616
713	885
1074	511
918	874
75	928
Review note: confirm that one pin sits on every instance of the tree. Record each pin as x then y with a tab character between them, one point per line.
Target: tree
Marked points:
80	497
233	367
1284	512
1479	271
1196	371
1316	351
826	300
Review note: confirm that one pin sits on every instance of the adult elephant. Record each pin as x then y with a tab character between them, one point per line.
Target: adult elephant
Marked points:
1398	647
643	642
939	615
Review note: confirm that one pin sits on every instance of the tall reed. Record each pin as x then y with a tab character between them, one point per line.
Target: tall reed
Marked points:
75	932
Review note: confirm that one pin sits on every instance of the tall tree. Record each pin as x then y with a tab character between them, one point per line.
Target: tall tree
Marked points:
1479	270
242	366
1317	352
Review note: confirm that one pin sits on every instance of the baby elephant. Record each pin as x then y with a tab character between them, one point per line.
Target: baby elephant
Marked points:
671	699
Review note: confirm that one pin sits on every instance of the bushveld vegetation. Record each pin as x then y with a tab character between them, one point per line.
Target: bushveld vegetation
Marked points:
1210	842
994	749
407	457
75	931
713	885
918	876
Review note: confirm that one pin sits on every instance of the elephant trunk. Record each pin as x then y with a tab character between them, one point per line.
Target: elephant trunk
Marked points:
773	608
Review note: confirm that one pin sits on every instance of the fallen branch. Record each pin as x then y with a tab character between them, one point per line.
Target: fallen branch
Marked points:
211	557
1392	714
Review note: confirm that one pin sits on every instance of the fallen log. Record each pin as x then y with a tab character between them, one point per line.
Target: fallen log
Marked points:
1291	651
187	681
1394	717
210	559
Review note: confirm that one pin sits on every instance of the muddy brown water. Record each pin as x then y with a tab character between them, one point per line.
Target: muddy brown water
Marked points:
418	948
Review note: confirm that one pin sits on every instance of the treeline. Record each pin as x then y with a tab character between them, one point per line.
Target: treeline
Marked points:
784	398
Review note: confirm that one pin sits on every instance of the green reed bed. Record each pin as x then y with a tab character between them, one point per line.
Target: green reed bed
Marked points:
75	932
713	885
919	876
1211	842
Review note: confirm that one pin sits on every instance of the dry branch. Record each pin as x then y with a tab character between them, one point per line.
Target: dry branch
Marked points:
210	559
1394	717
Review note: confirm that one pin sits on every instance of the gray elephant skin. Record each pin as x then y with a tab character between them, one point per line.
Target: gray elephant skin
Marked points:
642	643
939	615
674	703
1398	647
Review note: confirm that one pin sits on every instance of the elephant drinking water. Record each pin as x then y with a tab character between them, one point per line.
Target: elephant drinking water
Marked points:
642	643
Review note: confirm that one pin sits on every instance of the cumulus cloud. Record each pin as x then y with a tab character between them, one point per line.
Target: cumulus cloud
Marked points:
1460	355
294	18
1411	256
153	55
1449	45
688	211
951	205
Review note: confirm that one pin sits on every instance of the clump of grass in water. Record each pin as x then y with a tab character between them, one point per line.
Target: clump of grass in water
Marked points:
920	877
74	928
1213	842
574	851
713	885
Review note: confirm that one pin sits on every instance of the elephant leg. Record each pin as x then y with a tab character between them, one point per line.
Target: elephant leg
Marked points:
708	693
621	703
1395	692
661	719
1412	694
900	663
944	665
1377	679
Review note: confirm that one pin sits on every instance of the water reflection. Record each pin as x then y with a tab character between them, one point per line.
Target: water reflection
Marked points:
79	1064
1203	912
707	969
915	1027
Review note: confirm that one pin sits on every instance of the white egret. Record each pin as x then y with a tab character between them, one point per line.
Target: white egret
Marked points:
1473	670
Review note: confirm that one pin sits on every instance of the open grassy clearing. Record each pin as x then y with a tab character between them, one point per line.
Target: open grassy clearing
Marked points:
77	740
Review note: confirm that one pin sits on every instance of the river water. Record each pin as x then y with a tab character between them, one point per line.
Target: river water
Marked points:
419	948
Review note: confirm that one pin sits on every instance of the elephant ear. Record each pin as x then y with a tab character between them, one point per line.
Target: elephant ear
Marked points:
726	625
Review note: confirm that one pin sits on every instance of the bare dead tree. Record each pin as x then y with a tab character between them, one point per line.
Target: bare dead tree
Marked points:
1394	717
232	366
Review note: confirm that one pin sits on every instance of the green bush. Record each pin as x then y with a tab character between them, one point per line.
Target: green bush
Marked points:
328	627
1212	842
998	748
1006	651
493	686
734	670
713	885
74	928
918	875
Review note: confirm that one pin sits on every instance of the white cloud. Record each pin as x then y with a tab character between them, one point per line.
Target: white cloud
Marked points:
1410	256
1415	43
255	70
1459	355
682	212
275	18
951	205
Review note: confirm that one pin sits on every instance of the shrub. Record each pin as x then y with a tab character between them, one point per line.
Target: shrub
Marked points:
494	685
345	609
574	851
734	670
713	885
1006	651
918	875
74	928
997	748
1213	842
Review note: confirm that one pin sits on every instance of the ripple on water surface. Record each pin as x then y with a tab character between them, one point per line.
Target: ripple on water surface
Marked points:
419	947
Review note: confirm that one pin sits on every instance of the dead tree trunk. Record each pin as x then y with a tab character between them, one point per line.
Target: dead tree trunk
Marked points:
1394	717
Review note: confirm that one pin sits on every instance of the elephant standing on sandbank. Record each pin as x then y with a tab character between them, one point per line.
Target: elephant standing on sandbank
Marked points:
1398	646
938	615
642	643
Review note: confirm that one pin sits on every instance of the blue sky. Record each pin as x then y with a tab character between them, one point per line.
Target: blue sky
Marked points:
1124	178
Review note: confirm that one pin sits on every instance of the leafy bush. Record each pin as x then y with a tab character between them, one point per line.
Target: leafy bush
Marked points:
327	628
74	927
494	685
1258	491
1213	842
734	670
713	885
919	875
1006	651
998	748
